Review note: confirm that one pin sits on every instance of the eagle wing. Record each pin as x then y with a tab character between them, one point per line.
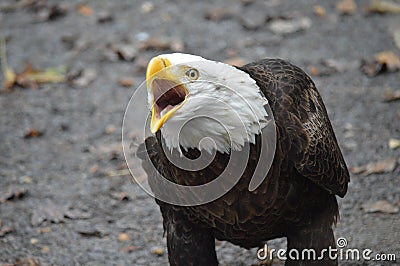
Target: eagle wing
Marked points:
303	123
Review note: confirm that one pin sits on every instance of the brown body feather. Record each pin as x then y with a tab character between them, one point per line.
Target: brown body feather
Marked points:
296	199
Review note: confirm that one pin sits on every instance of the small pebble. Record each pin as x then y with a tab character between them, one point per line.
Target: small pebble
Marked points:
123	237
34	241
158	251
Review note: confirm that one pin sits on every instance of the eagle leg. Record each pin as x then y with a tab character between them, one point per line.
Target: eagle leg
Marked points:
317	236
188	244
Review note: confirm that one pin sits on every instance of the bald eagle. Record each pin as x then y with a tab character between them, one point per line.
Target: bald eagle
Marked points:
193	99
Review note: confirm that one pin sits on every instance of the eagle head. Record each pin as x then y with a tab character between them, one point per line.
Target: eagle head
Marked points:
203	104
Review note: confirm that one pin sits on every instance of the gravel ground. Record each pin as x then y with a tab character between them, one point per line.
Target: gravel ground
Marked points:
66	197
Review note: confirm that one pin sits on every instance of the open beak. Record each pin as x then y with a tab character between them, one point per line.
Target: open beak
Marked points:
168	95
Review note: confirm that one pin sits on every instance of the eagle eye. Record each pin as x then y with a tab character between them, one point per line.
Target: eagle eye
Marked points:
192	73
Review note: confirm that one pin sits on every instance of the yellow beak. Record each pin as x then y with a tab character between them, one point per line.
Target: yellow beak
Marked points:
155	65
159	80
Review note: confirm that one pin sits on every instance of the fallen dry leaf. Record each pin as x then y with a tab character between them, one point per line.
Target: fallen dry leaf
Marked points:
13	193
235	61
380	167
357	169
120	196
86	77
346	7
166	17
319	11
371	69
321	69
141	65
125	51
94	169
126	82
129	248
177	45
31	77
69	40
389	59
26	262
49	212
121	166
161	44
9	75
147	7
104	16
26	179
247	2
90	229
76	214
380	206
313	70
110	129
230	52
253	19
43	8
118	173
386	61
217	14
396	38
394	144
90	233
44	230
84	10
341	65
287	26
123	237
392	96
53	12
9	78
382	6
5	230
12	6
110	151
154	43
33	133
75	44
45	249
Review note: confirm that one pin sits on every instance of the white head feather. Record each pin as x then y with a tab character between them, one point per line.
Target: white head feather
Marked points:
224	104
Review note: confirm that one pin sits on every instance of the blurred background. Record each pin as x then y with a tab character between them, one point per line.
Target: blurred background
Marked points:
70	67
